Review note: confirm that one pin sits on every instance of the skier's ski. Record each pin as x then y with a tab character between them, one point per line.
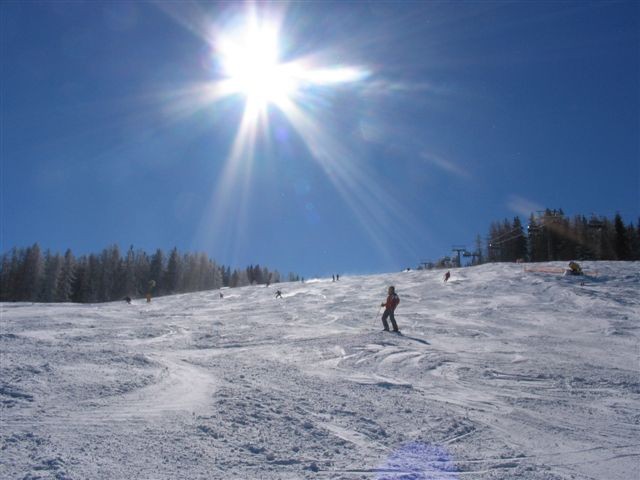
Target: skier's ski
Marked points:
400	334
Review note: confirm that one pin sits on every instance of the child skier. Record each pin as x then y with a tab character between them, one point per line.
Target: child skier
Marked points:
390	306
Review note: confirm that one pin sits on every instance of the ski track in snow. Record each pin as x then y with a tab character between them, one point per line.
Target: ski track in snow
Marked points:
499	374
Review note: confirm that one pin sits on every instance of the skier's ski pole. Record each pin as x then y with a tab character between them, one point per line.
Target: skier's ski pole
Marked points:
377	315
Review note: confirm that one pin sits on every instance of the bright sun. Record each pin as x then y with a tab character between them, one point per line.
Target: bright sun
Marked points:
251	63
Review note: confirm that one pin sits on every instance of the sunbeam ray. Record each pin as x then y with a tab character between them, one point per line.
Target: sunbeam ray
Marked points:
247	52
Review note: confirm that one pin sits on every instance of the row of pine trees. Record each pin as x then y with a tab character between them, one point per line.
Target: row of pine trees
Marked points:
551	235
29	275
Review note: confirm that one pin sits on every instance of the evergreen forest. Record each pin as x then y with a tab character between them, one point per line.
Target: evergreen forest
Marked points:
551	236
30	275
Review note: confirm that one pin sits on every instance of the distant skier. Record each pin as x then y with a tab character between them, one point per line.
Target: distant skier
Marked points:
334	278
446	276
390	306
278	294
221	295
152	284
128	300
337	278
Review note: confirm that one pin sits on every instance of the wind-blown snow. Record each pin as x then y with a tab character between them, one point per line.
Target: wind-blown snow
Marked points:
500	374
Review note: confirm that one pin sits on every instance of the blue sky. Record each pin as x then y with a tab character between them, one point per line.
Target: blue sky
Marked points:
407	127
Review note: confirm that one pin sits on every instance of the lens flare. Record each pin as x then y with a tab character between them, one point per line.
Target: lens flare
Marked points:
312	96
418	461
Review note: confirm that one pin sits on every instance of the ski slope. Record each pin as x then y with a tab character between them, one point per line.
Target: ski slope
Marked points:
500	374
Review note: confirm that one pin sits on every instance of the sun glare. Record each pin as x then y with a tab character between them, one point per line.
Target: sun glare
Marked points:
251	62
307	91
250	59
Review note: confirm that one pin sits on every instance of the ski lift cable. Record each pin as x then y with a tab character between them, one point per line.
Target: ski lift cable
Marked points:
516	230
499	240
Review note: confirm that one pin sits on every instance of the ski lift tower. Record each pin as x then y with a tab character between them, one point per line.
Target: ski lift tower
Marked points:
473	256
459	249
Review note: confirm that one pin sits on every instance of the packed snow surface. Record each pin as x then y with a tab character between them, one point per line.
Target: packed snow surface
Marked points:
499	374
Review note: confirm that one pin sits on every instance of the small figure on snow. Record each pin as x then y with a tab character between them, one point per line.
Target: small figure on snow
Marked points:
574	269
390	306
278	294
221	295
128	300
152	284
446	276
337	277
334	278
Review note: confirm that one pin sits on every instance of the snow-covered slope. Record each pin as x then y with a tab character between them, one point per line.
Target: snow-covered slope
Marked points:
500	374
